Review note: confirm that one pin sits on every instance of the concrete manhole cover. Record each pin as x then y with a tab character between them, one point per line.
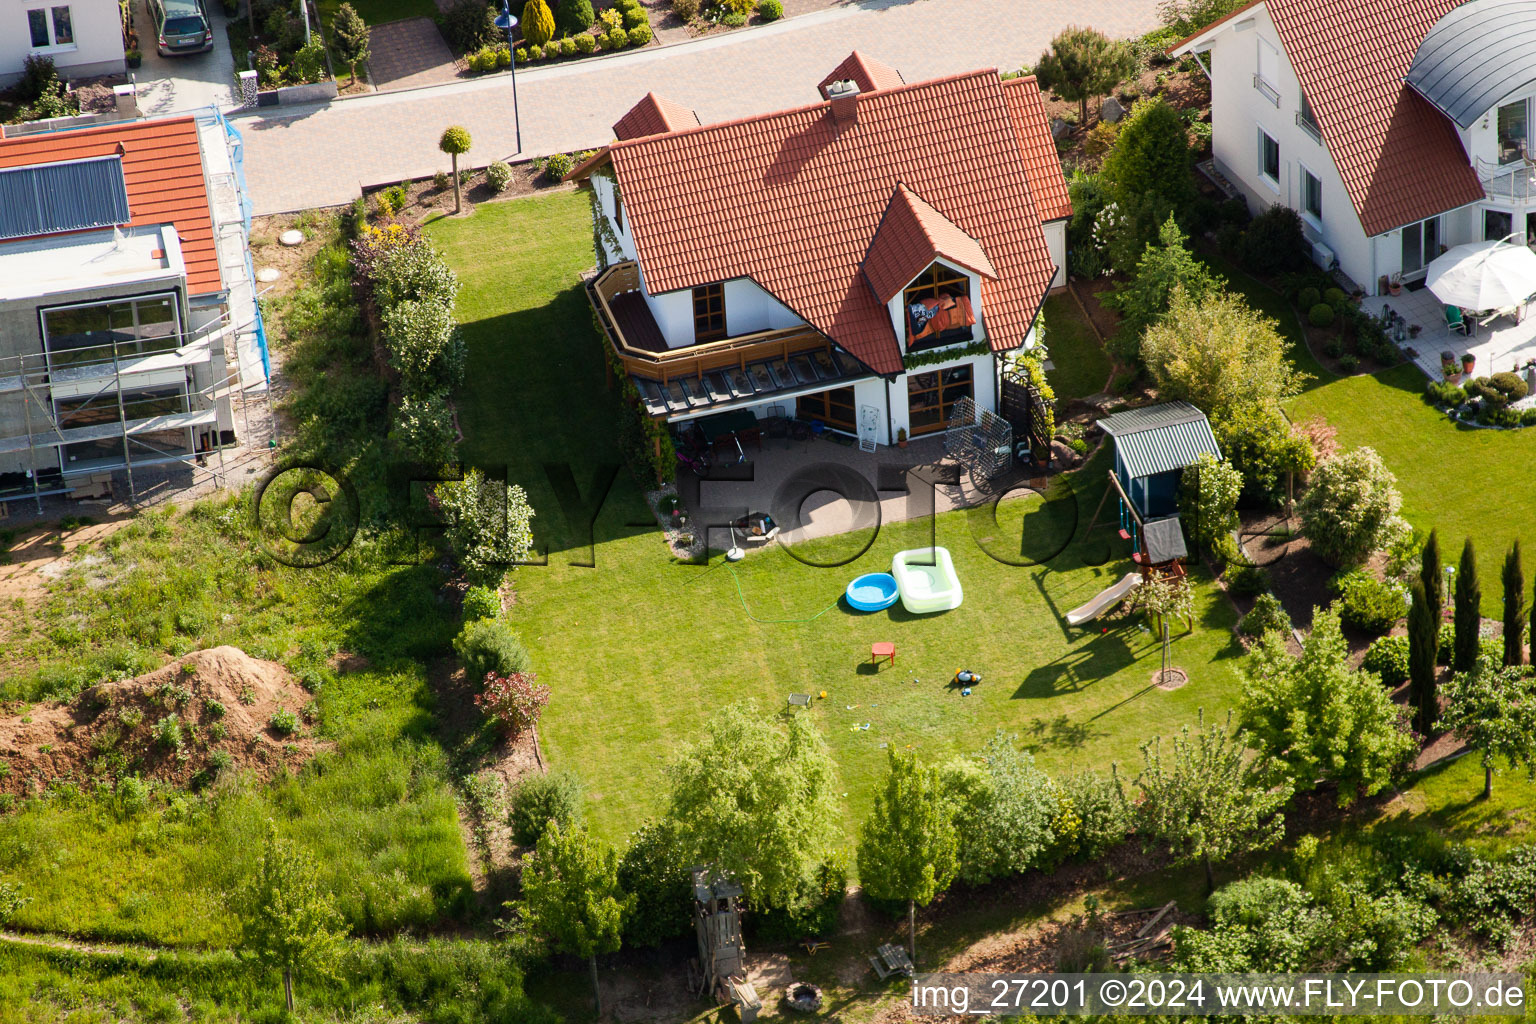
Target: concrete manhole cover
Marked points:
266	275
293	236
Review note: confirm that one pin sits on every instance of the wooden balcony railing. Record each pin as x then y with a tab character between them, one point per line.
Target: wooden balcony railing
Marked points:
665	364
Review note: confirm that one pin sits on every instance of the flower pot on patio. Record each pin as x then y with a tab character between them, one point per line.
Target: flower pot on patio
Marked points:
1468	362
1396	287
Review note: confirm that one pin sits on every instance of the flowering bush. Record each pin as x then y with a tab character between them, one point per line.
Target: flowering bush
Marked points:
488	524
514	702
374	242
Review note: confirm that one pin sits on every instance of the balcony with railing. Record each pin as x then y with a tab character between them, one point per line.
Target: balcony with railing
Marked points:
1513	182
1266	90
732	371
1309	125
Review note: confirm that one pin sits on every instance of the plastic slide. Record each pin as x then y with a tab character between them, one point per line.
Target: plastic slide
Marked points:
1105	600
926	580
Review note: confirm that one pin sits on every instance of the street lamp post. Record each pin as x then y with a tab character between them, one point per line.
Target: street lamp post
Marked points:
507	23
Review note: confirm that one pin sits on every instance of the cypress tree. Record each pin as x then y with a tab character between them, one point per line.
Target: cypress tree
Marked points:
1432	574
1468	613
1423	639
1514	607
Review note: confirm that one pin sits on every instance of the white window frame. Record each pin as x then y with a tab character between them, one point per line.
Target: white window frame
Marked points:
53	29
1315	219
1272	181
1424	257
1267	85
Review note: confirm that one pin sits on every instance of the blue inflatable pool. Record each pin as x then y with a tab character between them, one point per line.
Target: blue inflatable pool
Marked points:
872	592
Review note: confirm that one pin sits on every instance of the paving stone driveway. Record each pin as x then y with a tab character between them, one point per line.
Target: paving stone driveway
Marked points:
409	54
385	137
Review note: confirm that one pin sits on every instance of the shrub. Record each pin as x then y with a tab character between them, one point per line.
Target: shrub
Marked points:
309	63
568	46
535	52
1350	509
1266	614
1265	448
1445	644
214	708
514	702
1501	417
541	799
1245	580
1349	363
1443	393
498	175
168	732
1208	490
1308	297
686	10
538	23
411	269
585	43
488	645
653	871
1388	658
38	74
481	603
520	55
1165	266
770	10
469	25
1335	296
1528	418
418	336
616	39
557	166
574	16
1367	603
640	35
635	17
283	722
422	428
1509	385
1320	314
1274	242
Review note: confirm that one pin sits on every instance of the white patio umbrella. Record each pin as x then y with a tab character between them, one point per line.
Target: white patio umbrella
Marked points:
1484	275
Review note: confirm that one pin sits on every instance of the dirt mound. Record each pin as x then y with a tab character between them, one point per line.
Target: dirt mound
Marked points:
208	712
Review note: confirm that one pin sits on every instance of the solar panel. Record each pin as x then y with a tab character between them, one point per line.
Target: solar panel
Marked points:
71	196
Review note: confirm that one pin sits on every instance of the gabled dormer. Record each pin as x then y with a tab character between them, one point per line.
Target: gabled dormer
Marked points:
927	271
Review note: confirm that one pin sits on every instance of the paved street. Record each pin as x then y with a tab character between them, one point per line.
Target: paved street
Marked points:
319	156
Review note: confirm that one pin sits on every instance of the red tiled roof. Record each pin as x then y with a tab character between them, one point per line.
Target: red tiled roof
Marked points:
1042	164
865	72
792	201
1400	158
910	237
654	116
163	169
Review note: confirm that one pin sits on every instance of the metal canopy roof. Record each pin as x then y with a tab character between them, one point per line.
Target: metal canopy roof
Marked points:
1159	438
1479	53
75	195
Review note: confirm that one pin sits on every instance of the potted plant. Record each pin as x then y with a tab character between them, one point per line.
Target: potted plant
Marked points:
1357	296
1395	286
901	437
1413	330
1468	361
134	58
1448	367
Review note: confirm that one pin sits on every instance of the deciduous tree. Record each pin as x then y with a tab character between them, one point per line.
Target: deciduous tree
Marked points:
1083	63
1494	710
488	524
571	896
349	37
1321	718
1350	509
754	798
1004	806
455	142
287	923
1207	801
909	846
1468	616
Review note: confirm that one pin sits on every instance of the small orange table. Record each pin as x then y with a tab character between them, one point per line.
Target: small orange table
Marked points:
882	650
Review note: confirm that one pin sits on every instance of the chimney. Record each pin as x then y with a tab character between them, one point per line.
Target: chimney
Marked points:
845	102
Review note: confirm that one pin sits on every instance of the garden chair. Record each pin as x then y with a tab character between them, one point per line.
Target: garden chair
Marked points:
1454	321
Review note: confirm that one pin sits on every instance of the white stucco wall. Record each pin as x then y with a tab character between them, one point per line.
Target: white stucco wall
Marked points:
749	309
1056	241
603	187
98	38
1239	110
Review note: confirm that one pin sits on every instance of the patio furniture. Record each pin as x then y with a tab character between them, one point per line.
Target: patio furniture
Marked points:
799	700
1455	322
883	649
889	960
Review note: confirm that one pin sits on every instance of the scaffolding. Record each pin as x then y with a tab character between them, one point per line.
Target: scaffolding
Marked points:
96	371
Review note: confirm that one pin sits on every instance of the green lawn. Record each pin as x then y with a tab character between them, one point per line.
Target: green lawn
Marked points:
1080	364
640	650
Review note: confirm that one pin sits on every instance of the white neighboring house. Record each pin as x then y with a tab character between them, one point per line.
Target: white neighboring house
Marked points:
866	261
1396	128
84	37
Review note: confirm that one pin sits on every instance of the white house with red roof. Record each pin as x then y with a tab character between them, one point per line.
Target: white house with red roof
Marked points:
865	261
127	309
81	37
1396	128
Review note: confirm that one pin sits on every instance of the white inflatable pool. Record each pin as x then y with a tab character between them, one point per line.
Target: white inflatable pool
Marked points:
926	580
